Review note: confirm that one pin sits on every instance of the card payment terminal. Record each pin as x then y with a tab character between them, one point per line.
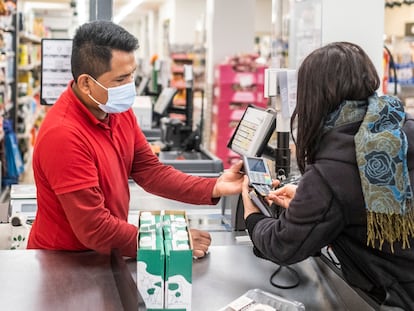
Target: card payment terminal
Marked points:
259	175
260	180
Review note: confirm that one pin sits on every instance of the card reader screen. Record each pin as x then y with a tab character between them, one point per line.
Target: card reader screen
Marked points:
256	165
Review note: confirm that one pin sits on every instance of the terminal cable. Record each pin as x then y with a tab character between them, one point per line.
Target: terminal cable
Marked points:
332	257
294	274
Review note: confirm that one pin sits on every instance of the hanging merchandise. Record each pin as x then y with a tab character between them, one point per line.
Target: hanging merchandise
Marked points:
14	162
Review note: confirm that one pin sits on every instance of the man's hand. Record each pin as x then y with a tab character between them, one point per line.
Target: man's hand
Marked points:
249	206
201	242
230	182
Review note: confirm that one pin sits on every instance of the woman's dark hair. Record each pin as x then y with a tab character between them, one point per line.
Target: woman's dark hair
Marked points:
329	75
93	44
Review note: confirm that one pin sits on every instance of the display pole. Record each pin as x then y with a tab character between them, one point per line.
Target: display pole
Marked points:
188	77
282	157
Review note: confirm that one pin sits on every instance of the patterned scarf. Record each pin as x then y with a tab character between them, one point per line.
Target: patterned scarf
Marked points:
381	153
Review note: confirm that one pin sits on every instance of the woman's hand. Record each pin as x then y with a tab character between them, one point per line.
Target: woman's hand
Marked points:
283	195
201	242
230	182
249	206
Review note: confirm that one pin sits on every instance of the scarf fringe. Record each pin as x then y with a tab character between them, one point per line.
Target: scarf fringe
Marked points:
390	228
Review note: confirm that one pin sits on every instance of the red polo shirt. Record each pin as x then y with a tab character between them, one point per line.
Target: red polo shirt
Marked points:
81	168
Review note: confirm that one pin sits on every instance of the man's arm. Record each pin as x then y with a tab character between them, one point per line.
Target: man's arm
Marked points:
93	224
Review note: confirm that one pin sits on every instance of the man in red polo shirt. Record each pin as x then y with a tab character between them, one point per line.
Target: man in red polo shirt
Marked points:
88	147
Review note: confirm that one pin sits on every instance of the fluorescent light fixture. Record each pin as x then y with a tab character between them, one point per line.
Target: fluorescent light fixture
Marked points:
126	10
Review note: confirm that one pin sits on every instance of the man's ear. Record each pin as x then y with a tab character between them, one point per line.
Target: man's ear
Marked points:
84	82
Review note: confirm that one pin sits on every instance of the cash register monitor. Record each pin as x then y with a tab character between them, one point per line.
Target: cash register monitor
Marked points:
164	101
252	134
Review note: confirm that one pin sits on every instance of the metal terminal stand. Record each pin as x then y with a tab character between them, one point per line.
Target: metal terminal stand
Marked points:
282	153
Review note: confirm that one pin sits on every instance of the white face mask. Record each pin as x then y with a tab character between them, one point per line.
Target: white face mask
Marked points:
120	98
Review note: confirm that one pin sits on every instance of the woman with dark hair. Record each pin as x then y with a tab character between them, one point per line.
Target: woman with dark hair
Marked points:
355	151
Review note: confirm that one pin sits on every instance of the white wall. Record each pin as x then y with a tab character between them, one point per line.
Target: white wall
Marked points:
187	14
263	17
185	17
325	21
230	30
360	22
166	13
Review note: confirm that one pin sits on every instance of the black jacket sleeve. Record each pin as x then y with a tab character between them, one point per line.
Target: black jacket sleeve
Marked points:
312	220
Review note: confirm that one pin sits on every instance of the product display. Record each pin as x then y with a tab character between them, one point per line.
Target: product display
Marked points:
238	84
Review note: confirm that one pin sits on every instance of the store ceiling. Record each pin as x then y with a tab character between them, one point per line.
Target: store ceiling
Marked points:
65	8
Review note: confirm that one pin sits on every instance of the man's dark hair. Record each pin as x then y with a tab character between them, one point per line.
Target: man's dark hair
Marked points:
93	44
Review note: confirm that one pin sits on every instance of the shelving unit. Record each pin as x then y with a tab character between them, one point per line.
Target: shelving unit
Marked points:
7	80
29	110
177	72
399	72
186	55
20	109
8	44
199	68
236	87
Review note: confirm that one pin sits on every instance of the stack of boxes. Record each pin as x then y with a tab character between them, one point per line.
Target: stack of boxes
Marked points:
164	260
233	91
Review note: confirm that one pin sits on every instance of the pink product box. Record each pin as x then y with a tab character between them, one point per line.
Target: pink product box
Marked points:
223	130
226	126
226	74
227	116
223	107
219	141
232	111
222	150
225	92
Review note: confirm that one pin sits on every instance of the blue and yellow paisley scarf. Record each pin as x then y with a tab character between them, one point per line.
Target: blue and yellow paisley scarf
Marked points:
381	154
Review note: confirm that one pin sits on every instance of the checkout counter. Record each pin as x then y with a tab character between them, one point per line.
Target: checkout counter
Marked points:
52	280
200	163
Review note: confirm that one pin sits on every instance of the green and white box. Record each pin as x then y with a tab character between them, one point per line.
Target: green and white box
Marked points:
151	260
178	261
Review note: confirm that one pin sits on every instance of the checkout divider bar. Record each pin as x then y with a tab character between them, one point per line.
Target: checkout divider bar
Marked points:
130	296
